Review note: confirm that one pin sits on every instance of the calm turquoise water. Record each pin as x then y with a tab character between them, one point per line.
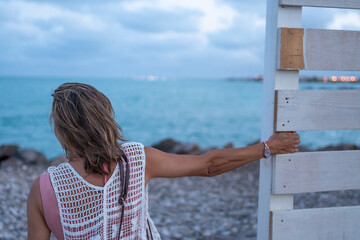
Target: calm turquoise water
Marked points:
210	112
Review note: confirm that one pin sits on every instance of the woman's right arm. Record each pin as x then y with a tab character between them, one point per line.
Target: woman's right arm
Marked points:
215	162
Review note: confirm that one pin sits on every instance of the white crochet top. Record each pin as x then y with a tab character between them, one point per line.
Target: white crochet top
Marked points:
92	212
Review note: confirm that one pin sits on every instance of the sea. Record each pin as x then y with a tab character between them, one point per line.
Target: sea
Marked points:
209	112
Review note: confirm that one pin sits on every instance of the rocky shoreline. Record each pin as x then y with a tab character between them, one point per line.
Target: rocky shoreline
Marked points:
223	207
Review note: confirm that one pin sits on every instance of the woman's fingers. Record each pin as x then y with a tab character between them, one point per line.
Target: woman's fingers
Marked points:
285	142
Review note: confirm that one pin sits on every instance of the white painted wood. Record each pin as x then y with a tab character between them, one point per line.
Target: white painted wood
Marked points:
316	172
355	4
334	50
283	80
317	224
289	17
276	17
303	110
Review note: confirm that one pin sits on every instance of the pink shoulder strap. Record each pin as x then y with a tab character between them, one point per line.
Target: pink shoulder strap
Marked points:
50	206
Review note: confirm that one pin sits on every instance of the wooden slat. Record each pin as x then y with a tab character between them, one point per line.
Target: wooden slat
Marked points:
316	172
319	49
291	53
332	50
316	224
354	4
303	110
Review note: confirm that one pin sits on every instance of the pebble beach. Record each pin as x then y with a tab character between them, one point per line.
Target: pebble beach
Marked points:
222	207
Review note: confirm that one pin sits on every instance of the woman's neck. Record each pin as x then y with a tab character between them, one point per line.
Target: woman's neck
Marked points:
76	159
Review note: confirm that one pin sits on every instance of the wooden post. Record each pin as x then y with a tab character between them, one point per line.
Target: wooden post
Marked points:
274	79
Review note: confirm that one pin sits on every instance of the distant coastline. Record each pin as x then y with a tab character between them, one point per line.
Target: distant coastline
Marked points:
317	79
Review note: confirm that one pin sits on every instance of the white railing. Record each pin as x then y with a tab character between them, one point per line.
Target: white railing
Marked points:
290	48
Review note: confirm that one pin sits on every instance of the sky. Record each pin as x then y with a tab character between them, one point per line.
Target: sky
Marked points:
129	38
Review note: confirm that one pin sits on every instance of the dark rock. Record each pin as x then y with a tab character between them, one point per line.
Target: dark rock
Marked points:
166	145
57	160
304	149
186	148
11	162
30	156
171	146
229	145
7	150
343	146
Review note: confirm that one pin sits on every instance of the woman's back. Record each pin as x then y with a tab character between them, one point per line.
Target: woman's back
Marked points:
88	211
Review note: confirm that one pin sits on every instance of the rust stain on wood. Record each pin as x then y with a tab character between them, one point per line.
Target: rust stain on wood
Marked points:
291	48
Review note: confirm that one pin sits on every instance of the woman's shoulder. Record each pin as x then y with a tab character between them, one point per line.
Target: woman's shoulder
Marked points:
132	144
36	184
36	190
34	198
133	148
60	167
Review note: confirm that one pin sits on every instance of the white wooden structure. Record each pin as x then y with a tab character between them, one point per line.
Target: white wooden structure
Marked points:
290	48
317	110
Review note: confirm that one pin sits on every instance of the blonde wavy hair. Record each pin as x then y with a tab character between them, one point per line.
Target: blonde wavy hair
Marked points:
84	123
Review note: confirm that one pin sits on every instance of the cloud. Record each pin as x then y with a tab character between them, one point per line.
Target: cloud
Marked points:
139	37
215	15
156	20
345	20
43	12
330	18
316	17
247	32
40	23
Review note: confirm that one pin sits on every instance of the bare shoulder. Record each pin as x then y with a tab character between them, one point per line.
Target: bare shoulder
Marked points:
149	151
35	188
34	199
37	228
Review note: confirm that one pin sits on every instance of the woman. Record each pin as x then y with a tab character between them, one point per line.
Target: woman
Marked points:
101	193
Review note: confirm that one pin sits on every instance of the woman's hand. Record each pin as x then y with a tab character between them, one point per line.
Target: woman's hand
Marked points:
284	142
